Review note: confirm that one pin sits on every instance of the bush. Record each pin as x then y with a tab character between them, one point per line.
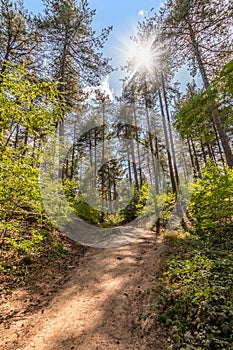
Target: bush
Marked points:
19	189
195	294
211	207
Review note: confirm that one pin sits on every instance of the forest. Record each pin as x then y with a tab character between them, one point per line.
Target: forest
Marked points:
158	156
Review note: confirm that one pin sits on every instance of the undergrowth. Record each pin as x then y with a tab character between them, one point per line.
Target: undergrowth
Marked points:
24	245
194	294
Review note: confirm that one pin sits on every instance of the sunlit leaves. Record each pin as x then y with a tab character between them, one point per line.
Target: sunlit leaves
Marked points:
212	202
32	108
196	113
35	106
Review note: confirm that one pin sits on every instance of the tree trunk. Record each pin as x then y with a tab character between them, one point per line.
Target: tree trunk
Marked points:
73	153
170	132
173	180
103	149
203	152
16	136
138	146
191	156
134	164
196	158
219	145
216	116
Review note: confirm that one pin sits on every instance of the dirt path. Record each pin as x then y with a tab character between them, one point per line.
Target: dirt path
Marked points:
100	306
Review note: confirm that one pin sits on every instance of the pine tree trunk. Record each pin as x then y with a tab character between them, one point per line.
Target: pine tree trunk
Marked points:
129	166
216	116
219	145
152	151
203	152
196	158
16	136
138	146
95	161
132	152
90	147
73	153
170	132
103	149
191	156
173	181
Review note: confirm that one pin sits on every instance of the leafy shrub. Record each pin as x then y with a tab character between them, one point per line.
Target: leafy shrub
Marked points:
29	111
94	215
211	207
195	293
19	189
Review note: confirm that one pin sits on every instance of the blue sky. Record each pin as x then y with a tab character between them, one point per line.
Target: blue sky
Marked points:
123	15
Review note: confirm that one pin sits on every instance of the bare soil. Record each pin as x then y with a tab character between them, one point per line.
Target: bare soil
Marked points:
97	301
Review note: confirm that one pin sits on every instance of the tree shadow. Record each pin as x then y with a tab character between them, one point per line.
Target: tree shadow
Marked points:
101	306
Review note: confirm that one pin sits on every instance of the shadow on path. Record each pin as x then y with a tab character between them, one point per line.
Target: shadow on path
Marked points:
101	305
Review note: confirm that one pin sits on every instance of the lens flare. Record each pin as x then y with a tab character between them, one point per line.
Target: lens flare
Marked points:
144	58
142	55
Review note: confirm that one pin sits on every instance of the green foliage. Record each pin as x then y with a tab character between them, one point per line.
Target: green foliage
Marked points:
32	107
196	112
19	188
77	202
194	293
27	103
95	215
137	204
29	110
169	200
193	118
87	212
23	244
212	200
73	50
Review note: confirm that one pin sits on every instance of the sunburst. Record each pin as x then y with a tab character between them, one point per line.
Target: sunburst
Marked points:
143	55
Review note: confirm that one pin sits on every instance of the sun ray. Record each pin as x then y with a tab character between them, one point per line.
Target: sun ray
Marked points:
142	55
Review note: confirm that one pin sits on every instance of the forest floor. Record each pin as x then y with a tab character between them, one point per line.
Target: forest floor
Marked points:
95	301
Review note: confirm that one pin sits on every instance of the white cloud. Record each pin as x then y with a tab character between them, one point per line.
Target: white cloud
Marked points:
104	88
141	13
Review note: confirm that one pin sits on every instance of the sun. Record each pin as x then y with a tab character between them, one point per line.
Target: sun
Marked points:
144	58
142	55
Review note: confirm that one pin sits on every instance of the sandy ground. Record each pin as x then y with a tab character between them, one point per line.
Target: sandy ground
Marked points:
99	306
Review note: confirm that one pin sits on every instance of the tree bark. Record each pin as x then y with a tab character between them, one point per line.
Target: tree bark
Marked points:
173	180
216	115
170	132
